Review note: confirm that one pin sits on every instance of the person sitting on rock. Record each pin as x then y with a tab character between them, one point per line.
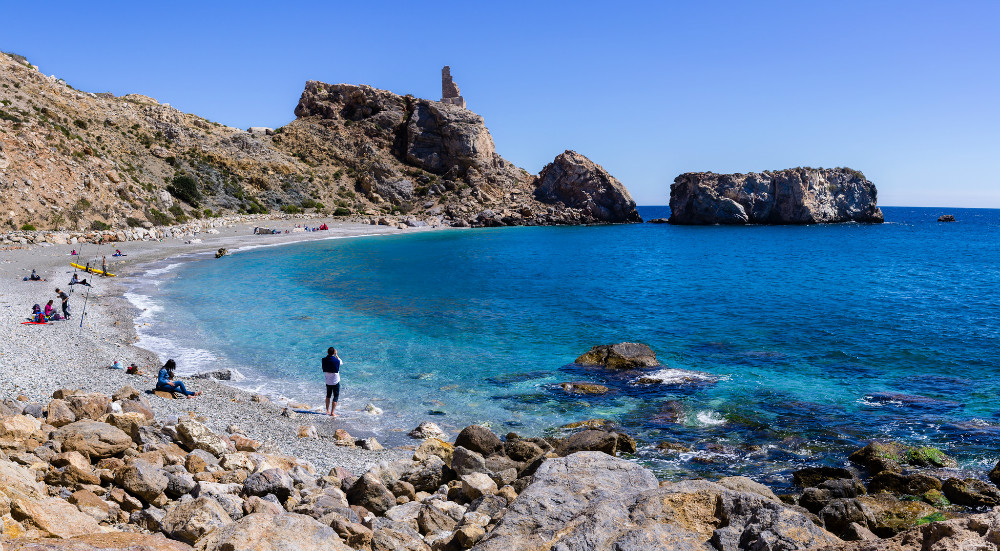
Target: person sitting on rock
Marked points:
165	381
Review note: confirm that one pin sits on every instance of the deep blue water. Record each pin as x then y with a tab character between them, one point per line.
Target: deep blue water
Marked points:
811	333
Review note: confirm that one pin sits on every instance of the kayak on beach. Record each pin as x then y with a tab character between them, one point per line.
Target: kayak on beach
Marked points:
34	323
91	270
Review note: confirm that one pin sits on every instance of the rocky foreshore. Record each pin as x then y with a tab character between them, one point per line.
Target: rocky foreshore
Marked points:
793	196
88	471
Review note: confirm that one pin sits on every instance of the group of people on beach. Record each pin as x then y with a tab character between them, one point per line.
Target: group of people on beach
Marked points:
47	314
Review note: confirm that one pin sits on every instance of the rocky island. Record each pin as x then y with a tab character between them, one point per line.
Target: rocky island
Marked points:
793	196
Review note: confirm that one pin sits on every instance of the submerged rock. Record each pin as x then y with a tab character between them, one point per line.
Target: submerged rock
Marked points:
794	196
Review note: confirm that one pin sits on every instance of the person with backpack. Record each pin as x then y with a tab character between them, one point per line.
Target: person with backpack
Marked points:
331	371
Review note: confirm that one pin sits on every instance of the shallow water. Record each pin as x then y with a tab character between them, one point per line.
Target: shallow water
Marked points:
818	338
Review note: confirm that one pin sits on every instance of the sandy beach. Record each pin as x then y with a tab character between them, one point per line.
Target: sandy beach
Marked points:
37	360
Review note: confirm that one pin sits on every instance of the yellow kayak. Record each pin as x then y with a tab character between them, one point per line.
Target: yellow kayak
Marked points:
92	270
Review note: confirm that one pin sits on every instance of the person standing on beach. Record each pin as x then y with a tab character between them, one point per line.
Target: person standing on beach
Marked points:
104	265
65	302
331	370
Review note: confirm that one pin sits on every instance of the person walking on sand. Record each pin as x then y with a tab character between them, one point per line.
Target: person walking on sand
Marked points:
65	302
331	370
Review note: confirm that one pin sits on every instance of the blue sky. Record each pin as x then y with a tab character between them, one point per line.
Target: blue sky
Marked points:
908	92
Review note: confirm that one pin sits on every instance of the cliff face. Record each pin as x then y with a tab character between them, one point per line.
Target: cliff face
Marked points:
75	160
443	156
794	196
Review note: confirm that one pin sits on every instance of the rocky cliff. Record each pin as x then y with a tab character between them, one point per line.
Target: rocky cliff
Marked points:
793	196
77	160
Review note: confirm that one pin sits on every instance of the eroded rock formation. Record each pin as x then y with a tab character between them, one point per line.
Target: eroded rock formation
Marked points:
572	179
794	196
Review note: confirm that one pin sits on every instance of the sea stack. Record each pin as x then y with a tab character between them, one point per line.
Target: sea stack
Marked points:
792	196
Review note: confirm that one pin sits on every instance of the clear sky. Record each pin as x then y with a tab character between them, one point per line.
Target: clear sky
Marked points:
906	91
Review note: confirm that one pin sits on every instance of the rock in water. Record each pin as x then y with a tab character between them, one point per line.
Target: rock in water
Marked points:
794	196
578	182
946	218
624	355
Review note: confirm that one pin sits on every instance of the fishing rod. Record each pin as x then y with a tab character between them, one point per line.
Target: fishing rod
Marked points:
86	299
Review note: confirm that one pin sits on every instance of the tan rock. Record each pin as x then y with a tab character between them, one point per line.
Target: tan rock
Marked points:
16	430
128	422
308	431
476	485
195	435
93	439
88	406
191	520
264	532
16	480
88	502
244	444
52	517
112	541
343	438
74	458
58	413
434	446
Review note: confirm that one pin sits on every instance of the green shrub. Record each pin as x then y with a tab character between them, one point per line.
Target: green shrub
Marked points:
27	227
133	222
159	218
82	204
308	203
254	207
341	211
185	188
97	225
290	209
80	124
208	213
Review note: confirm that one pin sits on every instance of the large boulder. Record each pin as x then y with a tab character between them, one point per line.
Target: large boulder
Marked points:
371	494
977	532
16	429
196	436
111	541
624	355
589	440
265	532
142	479
269	481
93	439
794	196
480	440
88	406
190	520
52	517
590	500
577	182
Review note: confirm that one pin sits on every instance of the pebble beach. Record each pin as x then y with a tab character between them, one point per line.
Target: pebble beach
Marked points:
37	360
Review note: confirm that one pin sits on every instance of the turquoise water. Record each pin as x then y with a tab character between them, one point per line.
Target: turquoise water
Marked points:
817	338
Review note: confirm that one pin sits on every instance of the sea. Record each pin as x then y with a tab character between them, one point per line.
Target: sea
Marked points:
781	346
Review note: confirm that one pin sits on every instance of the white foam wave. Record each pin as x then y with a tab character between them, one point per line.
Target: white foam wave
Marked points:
189	360
160	271
146	304
709	418
673	376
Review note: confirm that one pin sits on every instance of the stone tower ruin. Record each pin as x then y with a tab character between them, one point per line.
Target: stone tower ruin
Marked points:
449	90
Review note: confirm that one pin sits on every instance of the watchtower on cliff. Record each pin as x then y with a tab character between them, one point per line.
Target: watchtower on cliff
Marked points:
449	90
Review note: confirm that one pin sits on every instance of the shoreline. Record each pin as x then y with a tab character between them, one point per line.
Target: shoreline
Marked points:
70	356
